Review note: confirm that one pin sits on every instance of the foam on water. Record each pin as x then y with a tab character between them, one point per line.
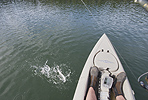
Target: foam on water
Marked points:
57	74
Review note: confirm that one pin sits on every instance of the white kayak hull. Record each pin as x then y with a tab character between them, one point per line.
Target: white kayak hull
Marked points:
103	56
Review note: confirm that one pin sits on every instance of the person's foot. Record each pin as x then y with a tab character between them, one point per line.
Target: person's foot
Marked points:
94	75
119	84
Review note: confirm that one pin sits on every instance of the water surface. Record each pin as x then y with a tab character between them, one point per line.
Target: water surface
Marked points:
44	44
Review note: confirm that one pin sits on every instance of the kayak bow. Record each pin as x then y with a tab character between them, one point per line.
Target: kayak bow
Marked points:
105	58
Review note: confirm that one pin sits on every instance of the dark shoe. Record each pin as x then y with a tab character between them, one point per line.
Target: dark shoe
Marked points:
94	78
118	90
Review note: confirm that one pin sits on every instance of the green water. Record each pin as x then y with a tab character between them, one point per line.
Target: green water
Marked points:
44	44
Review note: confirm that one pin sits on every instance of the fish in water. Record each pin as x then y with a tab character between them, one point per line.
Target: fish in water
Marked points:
61	76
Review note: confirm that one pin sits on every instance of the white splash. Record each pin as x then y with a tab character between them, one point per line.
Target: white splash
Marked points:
45	70
57	74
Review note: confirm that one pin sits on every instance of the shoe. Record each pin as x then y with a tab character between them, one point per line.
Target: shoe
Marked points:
94	78
118	88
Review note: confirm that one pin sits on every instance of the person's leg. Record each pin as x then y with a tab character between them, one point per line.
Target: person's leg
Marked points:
118	87
91	94
120	97
92	91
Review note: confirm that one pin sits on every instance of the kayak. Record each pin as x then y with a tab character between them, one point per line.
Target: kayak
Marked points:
105	58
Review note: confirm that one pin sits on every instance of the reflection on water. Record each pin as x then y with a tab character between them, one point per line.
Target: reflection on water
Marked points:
64	32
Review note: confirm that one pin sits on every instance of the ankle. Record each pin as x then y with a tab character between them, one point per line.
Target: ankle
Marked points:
120	97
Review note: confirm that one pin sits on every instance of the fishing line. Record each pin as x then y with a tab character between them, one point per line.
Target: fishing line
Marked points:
126	64
90	12
114	46
137	79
